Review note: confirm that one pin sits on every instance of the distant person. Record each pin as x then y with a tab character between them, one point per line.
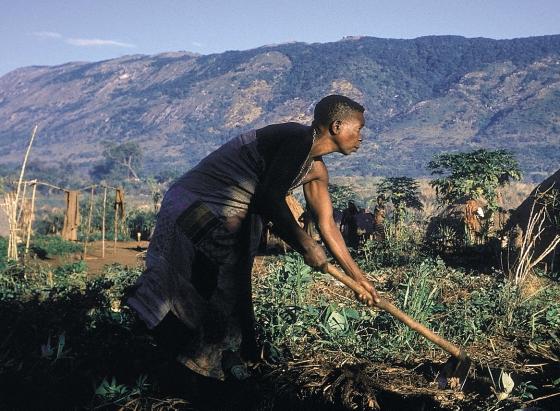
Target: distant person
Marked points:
195	293
365	225
379	219
349	225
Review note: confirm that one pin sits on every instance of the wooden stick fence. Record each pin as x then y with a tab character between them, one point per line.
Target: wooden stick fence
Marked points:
14	209
88	232
13	206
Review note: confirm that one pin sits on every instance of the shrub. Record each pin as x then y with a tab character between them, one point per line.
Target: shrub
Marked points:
53	245
51	223
3	253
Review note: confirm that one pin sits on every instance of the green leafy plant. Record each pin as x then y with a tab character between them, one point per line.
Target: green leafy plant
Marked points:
281	301
111	392
3	252
140	221
476	174
337	320
403	193
525	390
53	245
50	352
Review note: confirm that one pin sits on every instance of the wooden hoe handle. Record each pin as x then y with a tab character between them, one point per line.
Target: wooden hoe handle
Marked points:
398	314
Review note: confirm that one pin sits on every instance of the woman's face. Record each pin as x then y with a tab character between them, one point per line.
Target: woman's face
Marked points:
349	136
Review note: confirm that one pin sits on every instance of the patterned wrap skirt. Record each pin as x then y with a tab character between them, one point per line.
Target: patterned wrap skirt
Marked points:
200	272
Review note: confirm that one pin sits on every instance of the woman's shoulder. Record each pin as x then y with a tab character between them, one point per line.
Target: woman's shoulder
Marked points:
284	137
285	129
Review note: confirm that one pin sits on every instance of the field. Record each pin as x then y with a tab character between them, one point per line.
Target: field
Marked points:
68	342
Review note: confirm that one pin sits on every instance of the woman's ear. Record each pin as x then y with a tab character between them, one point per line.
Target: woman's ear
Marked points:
334	127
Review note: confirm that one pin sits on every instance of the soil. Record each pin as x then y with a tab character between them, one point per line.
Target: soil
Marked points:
127	253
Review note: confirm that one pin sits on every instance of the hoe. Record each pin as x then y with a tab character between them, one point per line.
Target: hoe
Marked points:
455	370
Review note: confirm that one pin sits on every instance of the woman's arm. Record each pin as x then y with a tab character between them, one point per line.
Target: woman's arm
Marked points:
318	198
277	211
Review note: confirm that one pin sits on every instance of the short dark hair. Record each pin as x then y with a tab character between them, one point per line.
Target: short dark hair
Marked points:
334	107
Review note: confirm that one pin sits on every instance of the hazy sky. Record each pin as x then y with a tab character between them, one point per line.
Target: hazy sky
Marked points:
49	32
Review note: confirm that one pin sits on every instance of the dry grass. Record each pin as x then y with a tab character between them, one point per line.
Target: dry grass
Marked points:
513	194
527	258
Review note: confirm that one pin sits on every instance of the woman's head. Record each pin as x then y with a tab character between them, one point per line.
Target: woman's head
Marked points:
334	107
338	122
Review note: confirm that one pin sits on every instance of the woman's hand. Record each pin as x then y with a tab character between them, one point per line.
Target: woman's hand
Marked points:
372	297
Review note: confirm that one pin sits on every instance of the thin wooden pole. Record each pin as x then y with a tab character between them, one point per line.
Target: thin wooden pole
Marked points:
32	217
116	226
89	223
103	224
22	201
24	163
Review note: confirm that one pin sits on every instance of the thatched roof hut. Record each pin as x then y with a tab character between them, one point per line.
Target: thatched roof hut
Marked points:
458	224
545	197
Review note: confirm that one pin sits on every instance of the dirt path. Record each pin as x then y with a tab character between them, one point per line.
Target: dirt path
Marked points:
128	253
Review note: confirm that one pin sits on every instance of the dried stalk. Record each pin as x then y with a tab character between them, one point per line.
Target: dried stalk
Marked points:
526	260
12	205
25	163
22	202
